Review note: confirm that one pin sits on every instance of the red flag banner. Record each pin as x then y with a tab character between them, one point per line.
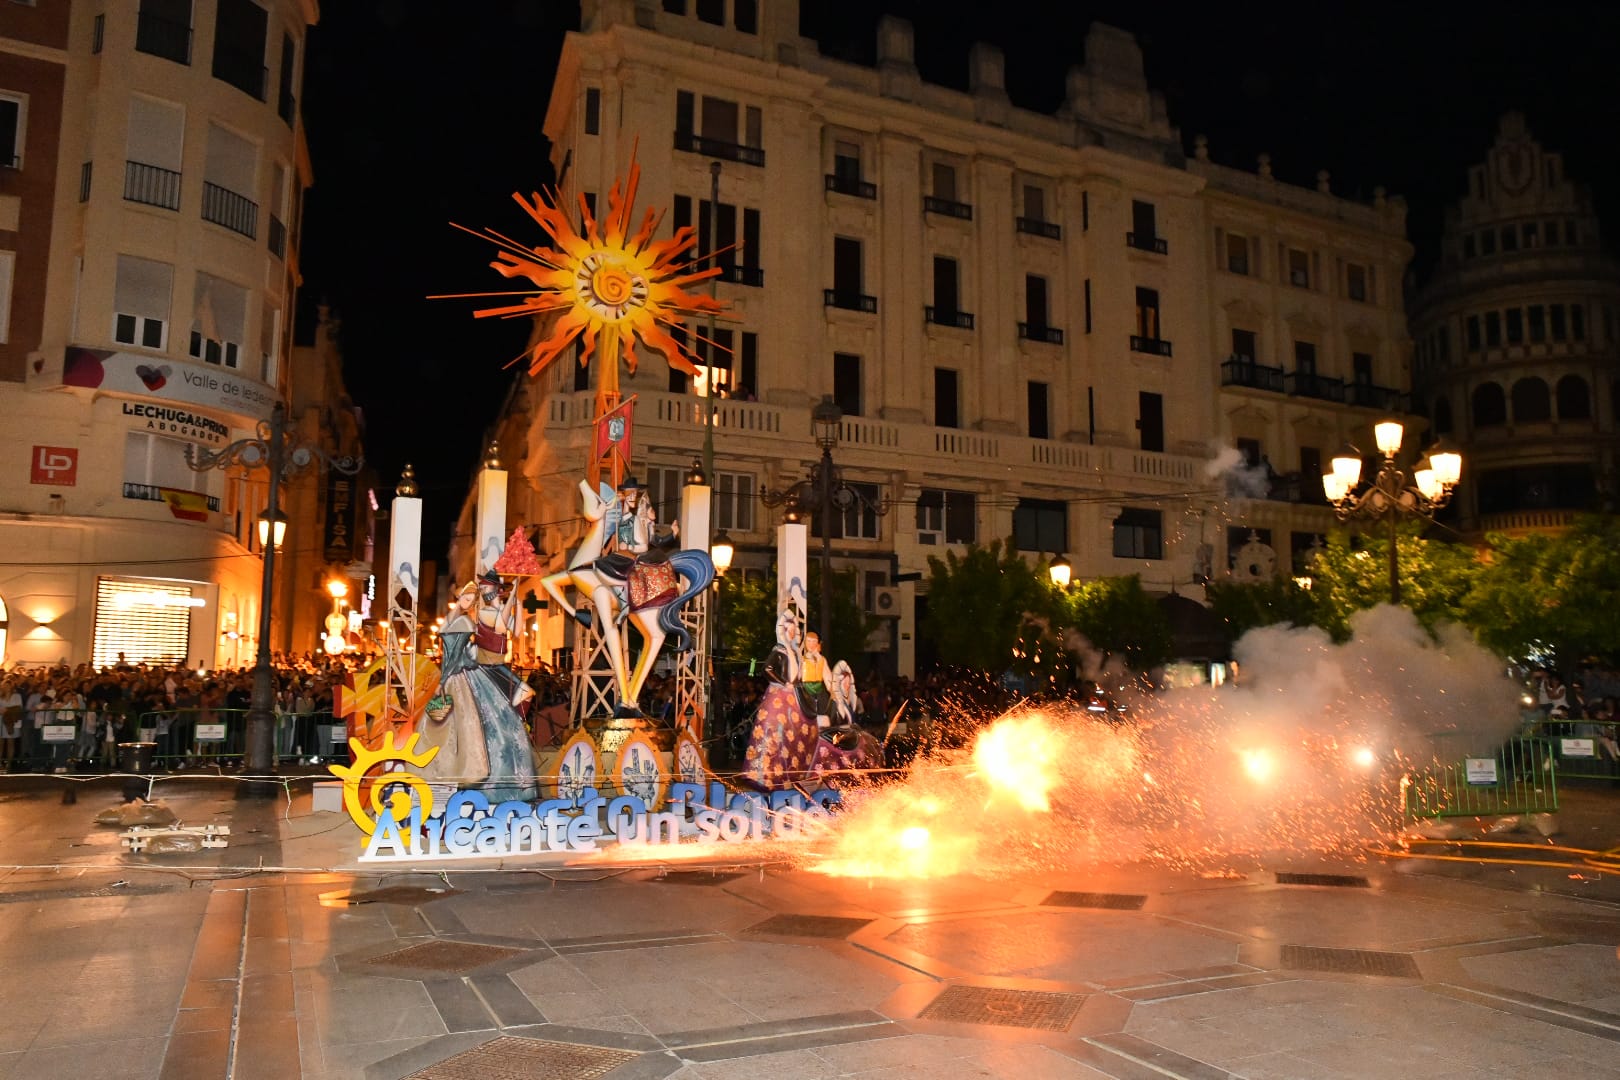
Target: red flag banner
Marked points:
613	430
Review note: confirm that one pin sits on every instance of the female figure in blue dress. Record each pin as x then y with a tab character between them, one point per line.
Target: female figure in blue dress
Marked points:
481	741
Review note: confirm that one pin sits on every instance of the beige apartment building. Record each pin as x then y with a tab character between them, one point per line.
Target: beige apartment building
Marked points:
1043	327
149	237
1516	351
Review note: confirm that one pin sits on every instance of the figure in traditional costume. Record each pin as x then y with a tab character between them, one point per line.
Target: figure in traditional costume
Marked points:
480	736
786	746
633	556
814	682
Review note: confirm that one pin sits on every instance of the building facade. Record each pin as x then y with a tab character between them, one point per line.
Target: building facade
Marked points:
149	237
1033	324
1515	342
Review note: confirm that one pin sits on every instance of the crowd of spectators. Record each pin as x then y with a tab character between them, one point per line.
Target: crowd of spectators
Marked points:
1587	707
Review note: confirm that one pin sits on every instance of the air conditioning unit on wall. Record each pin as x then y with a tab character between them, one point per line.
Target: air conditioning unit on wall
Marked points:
886	602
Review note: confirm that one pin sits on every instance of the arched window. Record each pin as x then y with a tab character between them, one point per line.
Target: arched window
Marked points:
1532	403
1442	416
1574	398
1490	405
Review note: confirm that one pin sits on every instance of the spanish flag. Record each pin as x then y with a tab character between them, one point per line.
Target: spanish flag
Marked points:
186	505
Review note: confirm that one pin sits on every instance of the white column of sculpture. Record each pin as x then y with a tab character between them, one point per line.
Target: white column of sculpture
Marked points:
792	571
691	667
489	517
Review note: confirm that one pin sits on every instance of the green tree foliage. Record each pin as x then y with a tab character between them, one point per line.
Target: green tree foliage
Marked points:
1242	606
1121	621
983	603
1436	577
1551	598
748	618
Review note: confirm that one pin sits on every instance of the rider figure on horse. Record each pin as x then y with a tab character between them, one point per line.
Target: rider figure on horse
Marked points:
630	548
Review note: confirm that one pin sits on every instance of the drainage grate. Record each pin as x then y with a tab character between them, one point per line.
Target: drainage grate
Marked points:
1588	929
1005	1008
510	1058
1349	961
399	894
453	957
33	895
818	926
1343	881
697	877
1111	901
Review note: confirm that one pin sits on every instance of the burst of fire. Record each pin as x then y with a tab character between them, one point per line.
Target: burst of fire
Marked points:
1017	758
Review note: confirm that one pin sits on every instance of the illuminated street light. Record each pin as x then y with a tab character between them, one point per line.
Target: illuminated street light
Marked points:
1062	573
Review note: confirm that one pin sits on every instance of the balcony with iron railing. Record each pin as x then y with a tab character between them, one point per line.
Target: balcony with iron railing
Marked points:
1368	396
851	185
1242	371
742	275
151	185
1311	385
241	69
939	316
238	213
1148	242
849	300
1036	227
158	36
1155	346
718	148
1051	335
948	207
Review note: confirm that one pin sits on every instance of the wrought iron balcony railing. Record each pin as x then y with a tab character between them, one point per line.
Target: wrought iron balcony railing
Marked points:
151	185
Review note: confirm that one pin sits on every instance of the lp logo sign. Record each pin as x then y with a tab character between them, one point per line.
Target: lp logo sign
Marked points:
57	465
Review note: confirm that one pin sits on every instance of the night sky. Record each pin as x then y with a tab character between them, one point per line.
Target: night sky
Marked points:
416	120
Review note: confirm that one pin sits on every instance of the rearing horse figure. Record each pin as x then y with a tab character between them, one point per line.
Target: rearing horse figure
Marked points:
656	620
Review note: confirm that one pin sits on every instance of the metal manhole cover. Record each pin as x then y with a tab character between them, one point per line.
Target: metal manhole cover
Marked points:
1588	929
1344	881
1111	901
511	1058
1349	961
399	894
817	926
697	877
1006	1008
455	957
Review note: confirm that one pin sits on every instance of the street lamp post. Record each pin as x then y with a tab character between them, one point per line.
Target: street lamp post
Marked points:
280	457
1389	494
721	552
708	378
1060	571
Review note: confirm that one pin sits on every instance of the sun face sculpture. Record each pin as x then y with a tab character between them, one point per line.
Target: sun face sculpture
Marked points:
606	285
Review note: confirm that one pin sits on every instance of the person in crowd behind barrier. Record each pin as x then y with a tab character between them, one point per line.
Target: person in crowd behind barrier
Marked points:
11	721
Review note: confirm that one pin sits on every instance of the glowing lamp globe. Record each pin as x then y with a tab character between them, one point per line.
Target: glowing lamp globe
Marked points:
1334	487
1426	480
1388	436
1447	463
721	551
1061	571
269	526
1347	465
338	588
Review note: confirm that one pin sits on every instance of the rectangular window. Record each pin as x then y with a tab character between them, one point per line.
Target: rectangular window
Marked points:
1304	358
945	410
1250	449
946	300
1299	268
239	40
1550	231
286	101
163	28
1538	323
1472	329
1147	313
1243	345
13	110
1087	292
153	147
593	111
156	461
675	7
1150	420
1143	225
734	501
1577	322
1532	234
1493	329
269	344
664	484
1040	420
1559	331
1487	242
1041	525
1034	202
859	520
1361	368
1515	326
750	239
718	368
1510	238
1355	281
754	127
847	161
218	321
847	383
944	181
719	119
847	267
1035	300
685	110
230	169
1237	253
951	516
747	387
1139	534
1310	474
1571	236
141	300
1468	246
712	12
745	16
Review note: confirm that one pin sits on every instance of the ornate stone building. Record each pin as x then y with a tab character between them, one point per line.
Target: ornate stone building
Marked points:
1043	327
1516	352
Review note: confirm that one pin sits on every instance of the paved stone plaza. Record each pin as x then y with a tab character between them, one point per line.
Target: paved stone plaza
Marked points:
1294	970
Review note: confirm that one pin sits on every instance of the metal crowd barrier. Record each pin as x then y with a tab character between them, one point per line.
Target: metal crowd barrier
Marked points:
77	739
1583	749
1519	778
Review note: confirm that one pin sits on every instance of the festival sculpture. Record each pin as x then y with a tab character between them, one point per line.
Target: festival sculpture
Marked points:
646	595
